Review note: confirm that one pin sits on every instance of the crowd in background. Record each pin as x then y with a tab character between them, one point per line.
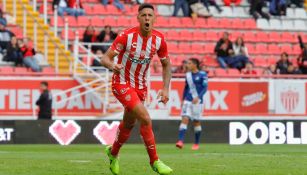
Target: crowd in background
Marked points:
18	51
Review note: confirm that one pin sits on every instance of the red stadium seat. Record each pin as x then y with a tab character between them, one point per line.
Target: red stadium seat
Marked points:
287	48
249	24
297	50
274	37
249	36
123	21
96	21
112	10
209	48
237	23
185	35
262	37
198	36
213	23
173	35
251	48
261	48
187	22
60	21
172	47
174	22
83	21
288	37
99	9
162	22
184	48
20	70
111	21
260	62
274	49
220	72
212	36
72	21
8	70
272	60
88	9
234	35
198	48
233	72
48	70
71	34
201	23
223	23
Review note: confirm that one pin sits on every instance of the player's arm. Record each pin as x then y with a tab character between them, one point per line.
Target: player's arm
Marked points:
166	72
117	46
108	61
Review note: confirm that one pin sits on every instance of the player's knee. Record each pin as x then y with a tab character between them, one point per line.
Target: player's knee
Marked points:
145	120
129	125
197	128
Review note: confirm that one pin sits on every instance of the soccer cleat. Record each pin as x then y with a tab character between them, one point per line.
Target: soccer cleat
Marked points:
195	147
162	169
114	163
179	144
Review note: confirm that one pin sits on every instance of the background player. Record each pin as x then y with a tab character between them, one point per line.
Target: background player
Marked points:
195	88
134	49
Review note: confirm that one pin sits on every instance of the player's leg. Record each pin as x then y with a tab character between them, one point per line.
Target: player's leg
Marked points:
195	116
197	133
123	132
182	130
148	137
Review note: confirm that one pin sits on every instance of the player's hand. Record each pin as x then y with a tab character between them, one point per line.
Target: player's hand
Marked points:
117	67
163	96
195	100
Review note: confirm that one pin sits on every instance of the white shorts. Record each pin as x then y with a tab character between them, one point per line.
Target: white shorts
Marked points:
193	111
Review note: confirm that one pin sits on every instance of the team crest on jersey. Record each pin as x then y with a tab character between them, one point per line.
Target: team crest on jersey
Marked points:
124	90
119	46
143	52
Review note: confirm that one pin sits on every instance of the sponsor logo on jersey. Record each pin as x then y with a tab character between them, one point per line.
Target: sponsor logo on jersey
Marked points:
144	61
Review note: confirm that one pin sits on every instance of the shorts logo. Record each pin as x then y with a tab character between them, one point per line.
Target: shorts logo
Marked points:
128	97
119	47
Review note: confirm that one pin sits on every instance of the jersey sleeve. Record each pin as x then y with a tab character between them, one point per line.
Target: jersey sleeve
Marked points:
119	44
162	52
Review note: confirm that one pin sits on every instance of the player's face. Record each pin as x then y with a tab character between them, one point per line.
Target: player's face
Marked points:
146	19
191	66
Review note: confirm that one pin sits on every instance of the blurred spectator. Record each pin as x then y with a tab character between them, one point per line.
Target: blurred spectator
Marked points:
256	9
182	68
283	64
14	53
278	7
116	3
156	67
236	2
106	36
183	4
198	9
293	70
270	70
95	62
302	59
212	2
69	7
28	53
44	102
90	36
249	69
223	50
2	18
5	38
240	57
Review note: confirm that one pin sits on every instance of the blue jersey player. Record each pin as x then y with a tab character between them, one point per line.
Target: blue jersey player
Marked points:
196	86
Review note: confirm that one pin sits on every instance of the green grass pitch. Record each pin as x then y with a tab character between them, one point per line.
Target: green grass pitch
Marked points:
215	159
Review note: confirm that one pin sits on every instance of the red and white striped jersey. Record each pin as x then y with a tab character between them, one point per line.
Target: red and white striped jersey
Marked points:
135	53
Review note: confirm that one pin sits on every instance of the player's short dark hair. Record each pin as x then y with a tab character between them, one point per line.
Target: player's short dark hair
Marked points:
45	83
196	62
145	5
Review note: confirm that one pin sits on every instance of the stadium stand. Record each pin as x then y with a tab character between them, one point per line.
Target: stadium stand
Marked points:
187	37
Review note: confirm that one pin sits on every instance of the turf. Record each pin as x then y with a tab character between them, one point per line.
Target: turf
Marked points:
216	159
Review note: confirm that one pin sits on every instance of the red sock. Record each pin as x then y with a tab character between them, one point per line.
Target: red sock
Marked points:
149	140
122	136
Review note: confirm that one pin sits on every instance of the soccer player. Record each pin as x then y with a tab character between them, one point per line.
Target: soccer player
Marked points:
194	90
135	48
